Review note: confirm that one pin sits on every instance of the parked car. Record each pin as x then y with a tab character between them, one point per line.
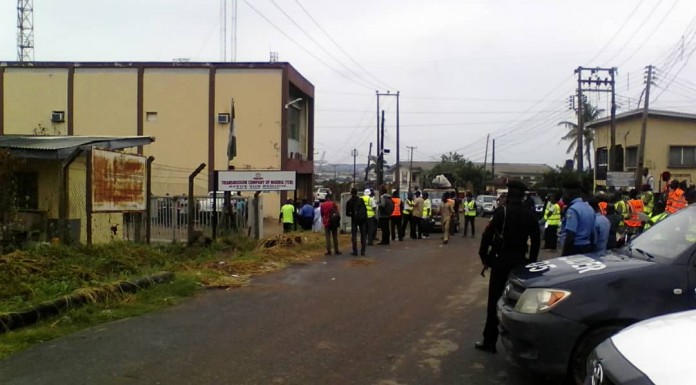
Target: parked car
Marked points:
554	312
485	205
320	195
656	351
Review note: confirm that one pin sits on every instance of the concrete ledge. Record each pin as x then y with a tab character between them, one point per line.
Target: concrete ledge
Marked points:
14	320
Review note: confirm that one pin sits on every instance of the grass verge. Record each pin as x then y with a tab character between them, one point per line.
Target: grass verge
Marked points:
47	272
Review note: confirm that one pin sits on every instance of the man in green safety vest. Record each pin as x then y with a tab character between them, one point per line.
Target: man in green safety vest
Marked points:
552	219
469	214
287	216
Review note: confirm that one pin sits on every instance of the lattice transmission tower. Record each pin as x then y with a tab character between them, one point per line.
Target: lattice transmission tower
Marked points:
25	30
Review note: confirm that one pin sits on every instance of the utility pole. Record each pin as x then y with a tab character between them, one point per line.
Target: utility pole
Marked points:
367	169
612	135
485	158
25	30
410	166
354	153
380	139
581	123
380	157
596	83
493	163
643	130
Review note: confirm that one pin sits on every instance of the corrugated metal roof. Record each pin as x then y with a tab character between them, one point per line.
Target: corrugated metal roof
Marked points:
59	147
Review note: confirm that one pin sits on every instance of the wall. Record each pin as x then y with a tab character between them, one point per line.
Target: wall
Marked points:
180	99
106	101
660	135
31	95
258	102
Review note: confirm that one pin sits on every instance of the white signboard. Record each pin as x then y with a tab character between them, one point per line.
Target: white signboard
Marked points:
257	181
621	179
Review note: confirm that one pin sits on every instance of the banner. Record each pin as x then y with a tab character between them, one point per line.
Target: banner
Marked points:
257	180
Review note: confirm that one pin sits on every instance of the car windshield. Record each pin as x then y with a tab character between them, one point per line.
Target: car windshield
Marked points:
488	199
669	238
537	200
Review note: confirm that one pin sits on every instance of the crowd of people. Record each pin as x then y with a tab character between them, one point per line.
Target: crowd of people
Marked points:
584	223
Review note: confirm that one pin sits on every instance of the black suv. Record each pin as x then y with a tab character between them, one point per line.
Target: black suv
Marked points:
554	312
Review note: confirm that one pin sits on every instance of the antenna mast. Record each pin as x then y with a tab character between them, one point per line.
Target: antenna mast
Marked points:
223	30
25	30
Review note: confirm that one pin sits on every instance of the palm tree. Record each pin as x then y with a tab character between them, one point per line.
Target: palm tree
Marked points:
589	113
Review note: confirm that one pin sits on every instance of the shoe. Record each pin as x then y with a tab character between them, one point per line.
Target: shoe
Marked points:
383	244
355	253
327	253
337	253
484	347
445	241
473	236
362	252
424	237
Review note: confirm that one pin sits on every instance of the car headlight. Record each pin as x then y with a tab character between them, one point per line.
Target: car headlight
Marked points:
534	301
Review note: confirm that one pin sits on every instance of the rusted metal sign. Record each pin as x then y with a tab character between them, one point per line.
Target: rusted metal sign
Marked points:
118	181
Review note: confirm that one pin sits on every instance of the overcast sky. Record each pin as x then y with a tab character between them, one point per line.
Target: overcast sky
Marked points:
464	68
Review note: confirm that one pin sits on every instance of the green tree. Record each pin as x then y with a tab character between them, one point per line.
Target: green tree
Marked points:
555	179
589	113
460	171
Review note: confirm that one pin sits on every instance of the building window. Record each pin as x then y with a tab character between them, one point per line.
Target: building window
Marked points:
682	156
631	158
294	121
27	190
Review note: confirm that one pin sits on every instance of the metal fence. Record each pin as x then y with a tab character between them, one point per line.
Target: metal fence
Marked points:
169	218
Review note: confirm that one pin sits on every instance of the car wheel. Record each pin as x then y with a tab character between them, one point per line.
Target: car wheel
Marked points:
577	367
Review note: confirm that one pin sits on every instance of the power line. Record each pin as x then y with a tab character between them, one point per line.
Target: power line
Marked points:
635	32
302	47
340	47
618	31
659	24
321	46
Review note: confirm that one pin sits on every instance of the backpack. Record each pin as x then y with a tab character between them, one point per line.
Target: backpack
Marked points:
334	218
388	207
359	210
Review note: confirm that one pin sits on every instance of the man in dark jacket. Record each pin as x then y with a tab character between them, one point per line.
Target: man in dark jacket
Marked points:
504	247
385	207
357	212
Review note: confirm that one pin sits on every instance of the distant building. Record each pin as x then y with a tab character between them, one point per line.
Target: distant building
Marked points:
529	173
670	144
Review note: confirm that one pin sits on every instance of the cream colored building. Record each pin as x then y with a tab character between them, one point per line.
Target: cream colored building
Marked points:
187	107
670	144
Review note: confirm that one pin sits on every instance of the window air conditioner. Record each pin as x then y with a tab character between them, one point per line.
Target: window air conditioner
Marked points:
223	118
58	116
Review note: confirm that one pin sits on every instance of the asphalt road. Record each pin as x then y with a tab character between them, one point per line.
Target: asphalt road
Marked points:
408	318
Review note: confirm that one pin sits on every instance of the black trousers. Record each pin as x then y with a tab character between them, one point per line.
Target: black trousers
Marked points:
551	237
396	231
469	219
384	226
329	234
405	221
496	285
371	227
358	227
415	227
424	227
